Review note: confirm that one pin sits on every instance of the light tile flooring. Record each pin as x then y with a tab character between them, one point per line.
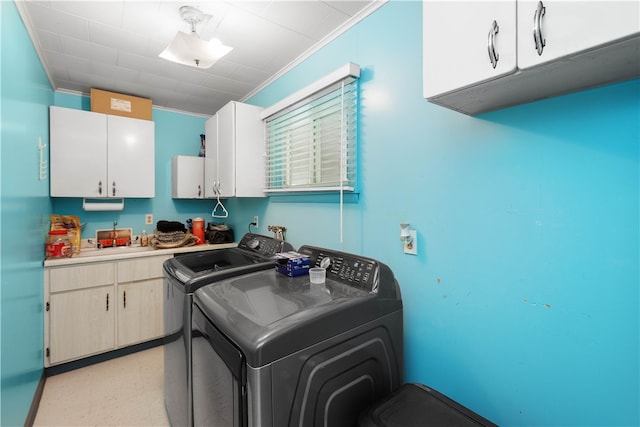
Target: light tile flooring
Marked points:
127	391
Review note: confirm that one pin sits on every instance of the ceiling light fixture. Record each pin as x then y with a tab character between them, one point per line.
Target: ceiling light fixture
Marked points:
190	49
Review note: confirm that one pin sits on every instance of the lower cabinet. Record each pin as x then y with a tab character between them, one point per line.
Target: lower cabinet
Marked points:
139	312
81	323
97	307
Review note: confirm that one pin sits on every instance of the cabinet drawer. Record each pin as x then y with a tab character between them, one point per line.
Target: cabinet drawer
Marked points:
141	268
79	277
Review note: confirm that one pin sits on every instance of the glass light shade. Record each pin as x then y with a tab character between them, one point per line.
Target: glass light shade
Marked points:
189	49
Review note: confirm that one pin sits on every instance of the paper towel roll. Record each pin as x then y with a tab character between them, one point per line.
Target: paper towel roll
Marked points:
103	205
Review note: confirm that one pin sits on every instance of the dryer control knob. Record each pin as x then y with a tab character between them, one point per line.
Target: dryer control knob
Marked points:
325	263
253	243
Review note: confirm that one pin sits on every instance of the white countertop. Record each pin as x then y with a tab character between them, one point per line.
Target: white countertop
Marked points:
109	254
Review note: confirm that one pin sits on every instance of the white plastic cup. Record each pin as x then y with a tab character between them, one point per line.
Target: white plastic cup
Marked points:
317	275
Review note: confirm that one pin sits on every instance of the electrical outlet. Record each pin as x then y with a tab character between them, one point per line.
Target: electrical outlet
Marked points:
255	221
148	219
411	247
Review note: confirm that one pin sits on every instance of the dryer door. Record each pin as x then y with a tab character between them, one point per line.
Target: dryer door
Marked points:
219	377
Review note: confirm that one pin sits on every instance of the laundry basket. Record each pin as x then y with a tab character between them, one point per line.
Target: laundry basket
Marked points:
416	405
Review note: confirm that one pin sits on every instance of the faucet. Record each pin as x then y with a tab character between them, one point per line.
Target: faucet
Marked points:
114	234
278	231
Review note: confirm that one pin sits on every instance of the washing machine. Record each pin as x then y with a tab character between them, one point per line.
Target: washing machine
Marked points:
183	275
271	350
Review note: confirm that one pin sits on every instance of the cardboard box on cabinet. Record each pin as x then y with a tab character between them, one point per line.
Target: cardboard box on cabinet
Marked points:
119	104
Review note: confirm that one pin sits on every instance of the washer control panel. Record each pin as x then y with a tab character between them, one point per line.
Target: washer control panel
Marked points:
349	269
264	245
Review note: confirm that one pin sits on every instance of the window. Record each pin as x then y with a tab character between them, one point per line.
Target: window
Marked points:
311	144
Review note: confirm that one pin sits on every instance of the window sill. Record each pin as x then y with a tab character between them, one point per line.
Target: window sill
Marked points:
314	197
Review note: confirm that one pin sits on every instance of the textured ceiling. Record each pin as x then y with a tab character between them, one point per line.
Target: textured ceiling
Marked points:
114	45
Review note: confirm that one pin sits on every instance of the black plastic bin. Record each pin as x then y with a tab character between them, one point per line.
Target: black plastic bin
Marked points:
416	405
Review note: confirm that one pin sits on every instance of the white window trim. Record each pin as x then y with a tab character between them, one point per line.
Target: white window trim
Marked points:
349	70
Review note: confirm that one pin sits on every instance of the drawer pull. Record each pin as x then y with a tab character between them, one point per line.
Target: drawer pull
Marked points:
107	302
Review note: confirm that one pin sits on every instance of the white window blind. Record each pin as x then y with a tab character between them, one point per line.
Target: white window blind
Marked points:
311	145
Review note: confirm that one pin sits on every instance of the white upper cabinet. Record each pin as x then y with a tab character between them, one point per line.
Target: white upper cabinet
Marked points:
78	153
130	161
97	155
226	144
569	27
211	157
235	147
187	177
456	40
481	56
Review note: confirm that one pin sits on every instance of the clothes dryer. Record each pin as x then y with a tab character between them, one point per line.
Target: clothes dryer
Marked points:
183	275
271	350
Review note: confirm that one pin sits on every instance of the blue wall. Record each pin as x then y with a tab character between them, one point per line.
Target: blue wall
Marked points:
522	302
24	216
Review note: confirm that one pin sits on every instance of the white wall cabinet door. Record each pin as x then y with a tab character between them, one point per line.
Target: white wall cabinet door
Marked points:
78	149
250	151
131	157
97	155
139	311
81	323
235	147
227	143
211	157
187	177
457	40
569	27
220	168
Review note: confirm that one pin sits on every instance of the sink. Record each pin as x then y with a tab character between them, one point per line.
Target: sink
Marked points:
86	252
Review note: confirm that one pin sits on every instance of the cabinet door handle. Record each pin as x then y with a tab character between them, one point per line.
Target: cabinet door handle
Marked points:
199	190
114	188
100	187
124	299
107	302
491	44
538	38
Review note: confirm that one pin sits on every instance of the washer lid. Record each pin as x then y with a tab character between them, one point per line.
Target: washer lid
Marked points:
197	269
269	315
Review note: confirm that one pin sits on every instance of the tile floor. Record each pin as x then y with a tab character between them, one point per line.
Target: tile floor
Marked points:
126	391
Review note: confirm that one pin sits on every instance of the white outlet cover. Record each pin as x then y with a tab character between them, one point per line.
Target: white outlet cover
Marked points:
412	248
